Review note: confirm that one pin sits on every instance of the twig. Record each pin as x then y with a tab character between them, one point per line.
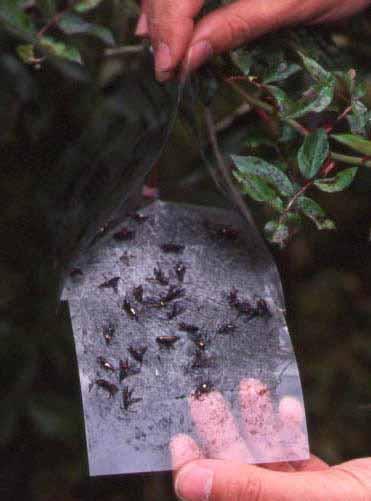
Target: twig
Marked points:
55	19
125	50
230	119
348	159
223	168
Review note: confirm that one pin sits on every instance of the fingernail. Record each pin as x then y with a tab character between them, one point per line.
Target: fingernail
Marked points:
162	60
194	483
199	53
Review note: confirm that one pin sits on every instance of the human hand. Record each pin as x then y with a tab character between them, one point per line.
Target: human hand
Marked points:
177	38
228	477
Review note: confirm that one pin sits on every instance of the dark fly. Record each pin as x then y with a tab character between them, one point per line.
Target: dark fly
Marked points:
127	399
130	310
227	329
138	217
201	360
233	297
108	333
243	307
203	389
110	388
112	283
180	271
190	329
261	308
201	342
125	258
160	276
174	292
225	232
76	273
138	293
137	353
176	310
170	248
167	341
126	370
124	235
105	364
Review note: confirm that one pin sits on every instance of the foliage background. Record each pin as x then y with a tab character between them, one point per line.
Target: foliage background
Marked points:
326	279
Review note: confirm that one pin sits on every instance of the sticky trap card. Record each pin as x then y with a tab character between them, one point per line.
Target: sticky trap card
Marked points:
181	302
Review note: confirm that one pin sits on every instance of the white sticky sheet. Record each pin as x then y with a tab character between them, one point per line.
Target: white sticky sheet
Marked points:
194	293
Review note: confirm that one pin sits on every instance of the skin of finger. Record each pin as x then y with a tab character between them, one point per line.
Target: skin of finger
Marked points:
171	23
183	449
249	483
312	464
217	429
343	10
260	423
245	20
142	29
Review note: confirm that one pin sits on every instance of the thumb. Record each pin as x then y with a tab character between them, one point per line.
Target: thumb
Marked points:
213	480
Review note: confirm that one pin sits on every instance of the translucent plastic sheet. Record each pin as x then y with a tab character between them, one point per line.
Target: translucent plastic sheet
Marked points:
180	309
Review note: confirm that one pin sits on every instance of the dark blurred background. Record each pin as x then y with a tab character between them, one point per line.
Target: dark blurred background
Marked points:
326	279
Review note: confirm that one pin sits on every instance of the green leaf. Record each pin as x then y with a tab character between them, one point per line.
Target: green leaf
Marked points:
313	153
340	182
316	71
356	143
284	103
243	60
276	232
60	49
313	211
360	119
257	189
13	16
280	71
248	166
72	24
47	7
86	5
324	95
26	53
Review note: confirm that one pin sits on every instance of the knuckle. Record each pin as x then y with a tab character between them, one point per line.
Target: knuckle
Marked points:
237	29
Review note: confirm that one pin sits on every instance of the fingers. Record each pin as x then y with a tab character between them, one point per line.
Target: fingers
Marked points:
183	449
171	26
213	480
142	28
217	428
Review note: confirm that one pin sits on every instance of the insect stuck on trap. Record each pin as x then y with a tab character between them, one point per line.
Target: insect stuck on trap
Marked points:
110	388
138	352
203	389
110	284
171	248
126	370
108	333
127	399
167	341
130	310
105	364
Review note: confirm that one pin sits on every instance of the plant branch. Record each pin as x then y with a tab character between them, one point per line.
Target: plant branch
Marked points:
348	159
55	19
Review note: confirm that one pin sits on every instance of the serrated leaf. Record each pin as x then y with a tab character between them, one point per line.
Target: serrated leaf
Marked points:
284	103
248	166
356	143
72	24
313	211
257	189
60	49
316	71
324	95
86	5
280	71
313	153
340	182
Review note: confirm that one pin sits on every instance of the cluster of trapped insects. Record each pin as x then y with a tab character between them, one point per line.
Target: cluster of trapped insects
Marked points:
168	301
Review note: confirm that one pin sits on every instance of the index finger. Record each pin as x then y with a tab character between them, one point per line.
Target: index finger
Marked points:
171	26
